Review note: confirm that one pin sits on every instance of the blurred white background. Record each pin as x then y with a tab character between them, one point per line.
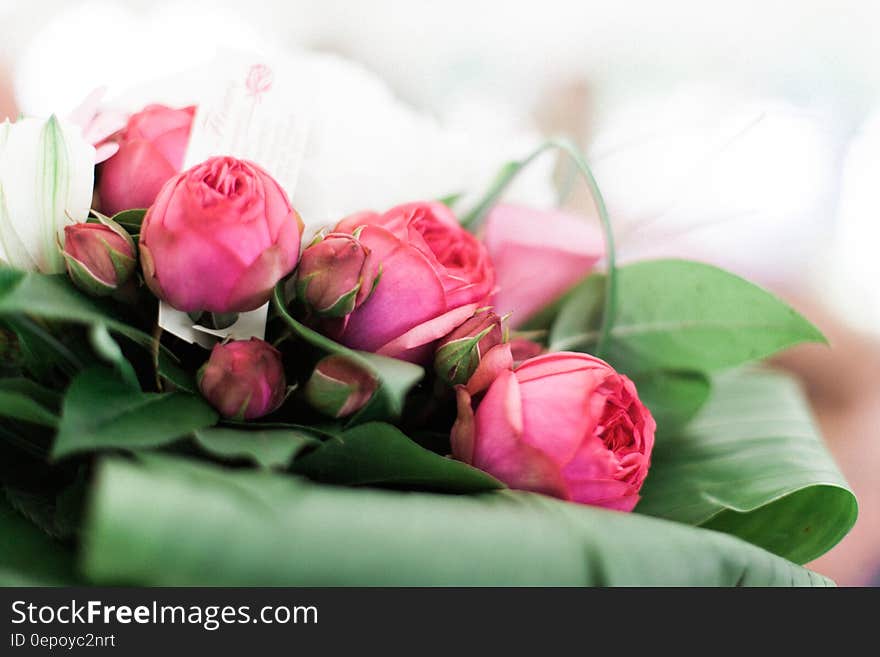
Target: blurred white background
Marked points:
746	134
710	124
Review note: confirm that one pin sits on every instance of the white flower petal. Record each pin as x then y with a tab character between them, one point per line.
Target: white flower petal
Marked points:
46	177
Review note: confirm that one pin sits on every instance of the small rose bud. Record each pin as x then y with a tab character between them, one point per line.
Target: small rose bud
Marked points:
340	387
459	354
99	257
243	379
336	275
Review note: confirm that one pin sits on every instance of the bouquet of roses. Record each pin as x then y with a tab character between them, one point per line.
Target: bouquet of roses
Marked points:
427	394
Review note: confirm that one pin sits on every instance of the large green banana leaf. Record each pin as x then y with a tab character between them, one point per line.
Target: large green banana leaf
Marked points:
164	521
753	464
28	557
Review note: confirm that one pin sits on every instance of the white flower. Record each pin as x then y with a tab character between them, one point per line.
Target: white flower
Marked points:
46	182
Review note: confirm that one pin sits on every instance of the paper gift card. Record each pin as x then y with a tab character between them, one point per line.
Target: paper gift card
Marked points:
257	111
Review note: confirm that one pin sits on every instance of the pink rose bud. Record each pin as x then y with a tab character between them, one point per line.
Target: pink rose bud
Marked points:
538	256
336	275
243	379
339	387
219	237
563	424
434	276
151	150
99	257
460	353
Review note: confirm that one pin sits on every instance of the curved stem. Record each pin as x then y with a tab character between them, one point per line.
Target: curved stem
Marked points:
472	220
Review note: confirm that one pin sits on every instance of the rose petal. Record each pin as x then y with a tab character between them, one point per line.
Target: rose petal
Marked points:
462	436
493	362
556	363
105	151
405	346
538	255
408	294
498	449
254	287
556	411
607	493
133	177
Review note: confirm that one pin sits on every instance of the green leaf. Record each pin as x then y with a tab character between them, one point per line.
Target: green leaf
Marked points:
272	448
681	315
99	413
172	372
41	351
171	522
379	454
396	377
130	220
50	399
28	557
54	297
752	463
54	508
451	199
49	297
579	310
105	346
18	406
673	398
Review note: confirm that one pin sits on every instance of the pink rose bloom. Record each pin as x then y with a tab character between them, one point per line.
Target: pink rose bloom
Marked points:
151	150
219	237
563	424
243	379
434	276
538	255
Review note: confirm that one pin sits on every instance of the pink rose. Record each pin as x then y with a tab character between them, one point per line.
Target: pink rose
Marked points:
563	424
434	276
538	255
151	150
243	379
219	237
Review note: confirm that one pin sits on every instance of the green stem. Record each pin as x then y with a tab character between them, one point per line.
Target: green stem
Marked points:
154	353
566	184
472	220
